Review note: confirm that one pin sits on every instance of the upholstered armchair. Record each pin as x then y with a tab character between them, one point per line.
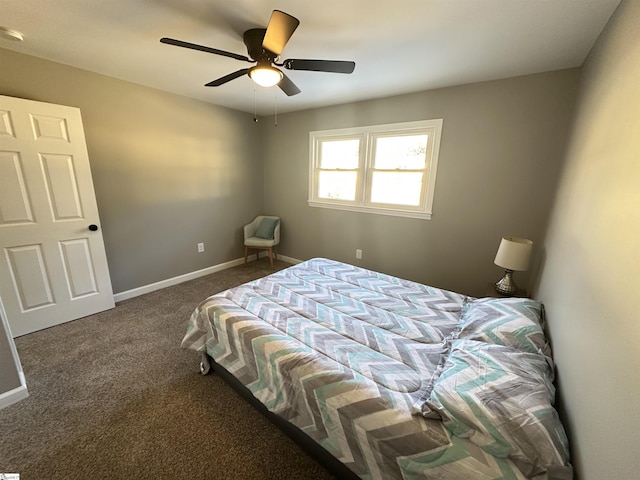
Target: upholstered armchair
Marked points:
262	234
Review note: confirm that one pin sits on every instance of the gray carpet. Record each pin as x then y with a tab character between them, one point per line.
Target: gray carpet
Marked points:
112	396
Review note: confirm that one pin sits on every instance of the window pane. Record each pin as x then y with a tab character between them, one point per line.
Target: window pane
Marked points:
406	151
396	188
337	185
339	154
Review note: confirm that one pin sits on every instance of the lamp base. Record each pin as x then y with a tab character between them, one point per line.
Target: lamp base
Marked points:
506	286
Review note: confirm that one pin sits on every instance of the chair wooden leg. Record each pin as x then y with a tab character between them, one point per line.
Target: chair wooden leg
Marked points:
270	256
245	254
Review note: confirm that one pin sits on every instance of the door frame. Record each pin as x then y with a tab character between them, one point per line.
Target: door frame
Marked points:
21	392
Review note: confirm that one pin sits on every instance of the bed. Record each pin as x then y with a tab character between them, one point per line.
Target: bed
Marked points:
385	378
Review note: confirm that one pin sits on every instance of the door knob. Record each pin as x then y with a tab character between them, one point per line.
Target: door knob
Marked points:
93	227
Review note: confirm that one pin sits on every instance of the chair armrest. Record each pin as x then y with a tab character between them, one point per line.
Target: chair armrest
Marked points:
250	229
276	234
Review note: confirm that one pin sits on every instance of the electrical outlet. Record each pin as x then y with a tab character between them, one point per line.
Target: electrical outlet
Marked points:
358	254
200	247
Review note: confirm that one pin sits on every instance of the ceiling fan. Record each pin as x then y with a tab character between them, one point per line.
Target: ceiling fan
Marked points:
264	46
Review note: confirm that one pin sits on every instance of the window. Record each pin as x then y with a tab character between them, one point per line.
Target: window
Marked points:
387	169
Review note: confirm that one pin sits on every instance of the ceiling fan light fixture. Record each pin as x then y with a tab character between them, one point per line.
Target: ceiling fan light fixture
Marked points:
264	46
265	76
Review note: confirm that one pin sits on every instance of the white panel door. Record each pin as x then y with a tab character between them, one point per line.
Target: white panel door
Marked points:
53	266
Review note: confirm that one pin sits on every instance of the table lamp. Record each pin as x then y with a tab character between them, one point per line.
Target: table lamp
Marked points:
513	255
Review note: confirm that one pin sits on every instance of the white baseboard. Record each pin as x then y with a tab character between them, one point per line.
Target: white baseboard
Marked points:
15	395
291	260
135	292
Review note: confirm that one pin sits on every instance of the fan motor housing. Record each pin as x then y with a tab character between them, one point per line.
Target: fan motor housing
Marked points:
253	40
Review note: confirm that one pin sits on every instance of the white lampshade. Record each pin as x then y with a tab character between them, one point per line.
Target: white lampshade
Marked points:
265	76
514	253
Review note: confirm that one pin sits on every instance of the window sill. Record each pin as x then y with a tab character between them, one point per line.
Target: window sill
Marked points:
373	210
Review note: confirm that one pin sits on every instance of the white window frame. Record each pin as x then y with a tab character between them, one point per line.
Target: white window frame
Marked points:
367	136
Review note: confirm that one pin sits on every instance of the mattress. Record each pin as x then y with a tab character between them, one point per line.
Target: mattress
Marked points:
377	371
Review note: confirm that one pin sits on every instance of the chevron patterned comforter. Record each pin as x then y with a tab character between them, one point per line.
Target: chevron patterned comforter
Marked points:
363	362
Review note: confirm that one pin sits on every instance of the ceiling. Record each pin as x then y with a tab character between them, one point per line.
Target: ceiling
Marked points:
399	47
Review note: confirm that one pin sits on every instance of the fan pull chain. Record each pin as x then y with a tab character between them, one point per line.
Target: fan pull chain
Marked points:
275	103
255	113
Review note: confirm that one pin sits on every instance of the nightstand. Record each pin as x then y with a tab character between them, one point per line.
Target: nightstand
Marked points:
490	291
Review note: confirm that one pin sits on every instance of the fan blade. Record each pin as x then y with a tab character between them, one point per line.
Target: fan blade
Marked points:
202	48
333	66
288	87
281	27
227	78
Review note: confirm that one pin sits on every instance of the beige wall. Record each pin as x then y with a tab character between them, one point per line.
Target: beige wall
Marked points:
501	151
590	276
169	171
